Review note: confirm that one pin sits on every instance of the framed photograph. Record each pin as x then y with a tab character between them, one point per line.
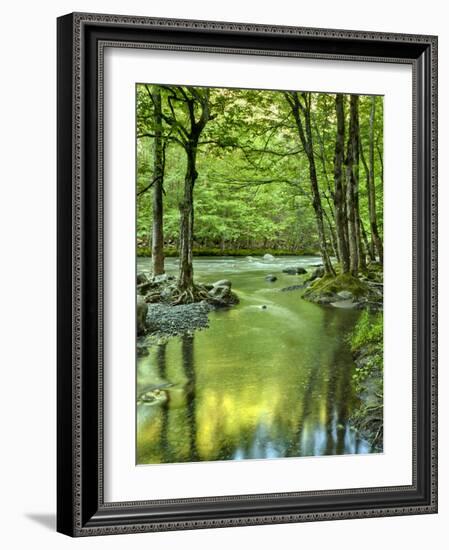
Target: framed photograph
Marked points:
247	279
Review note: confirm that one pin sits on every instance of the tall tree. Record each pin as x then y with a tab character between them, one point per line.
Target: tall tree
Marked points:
193	98
361	257
339	188
189	113
157	245
352	185
300	105
376	239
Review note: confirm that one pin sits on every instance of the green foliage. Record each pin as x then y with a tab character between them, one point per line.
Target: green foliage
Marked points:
367	339
368	332
171	252
253	189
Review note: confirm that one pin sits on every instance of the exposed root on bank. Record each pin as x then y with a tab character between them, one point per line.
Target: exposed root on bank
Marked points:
190	295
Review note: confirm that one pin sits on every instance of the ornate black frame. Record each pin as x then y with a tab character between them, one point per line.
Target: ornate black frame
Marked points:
81	508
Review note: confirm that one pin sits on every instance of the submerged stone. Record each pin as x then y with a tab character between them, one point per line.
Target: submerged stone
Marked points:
294	270
345	304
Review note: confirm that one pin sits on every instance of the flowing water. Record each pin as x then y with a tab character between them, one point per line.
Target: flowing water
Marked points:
260	382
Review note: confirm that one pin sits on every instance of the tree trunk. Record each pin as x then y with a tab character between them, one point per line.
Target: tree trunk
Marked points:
332	235
185	281
351	187
307	143
187	133
371	187
157	248
368	244
339	197
355	169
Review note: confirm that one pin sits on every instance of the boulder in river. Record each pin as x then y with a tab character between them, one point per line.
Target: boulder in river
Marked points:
293	287
223	282
222	296
268	257
271	278
345	295
345	304
294	270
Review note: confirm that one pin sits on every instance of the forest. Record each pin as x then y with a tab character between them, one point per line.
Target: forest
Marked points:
259	238
242	172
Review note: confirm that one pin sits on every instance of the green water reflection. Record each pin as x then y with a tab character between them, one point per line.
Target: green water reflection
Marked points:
259	383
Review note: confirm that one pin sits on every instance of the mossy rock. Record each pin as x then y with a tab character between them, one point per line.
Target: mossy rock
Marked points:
327	286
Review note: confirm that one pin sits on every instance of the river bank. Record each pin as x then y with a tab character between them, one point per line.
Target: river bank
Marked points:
367	350
159	312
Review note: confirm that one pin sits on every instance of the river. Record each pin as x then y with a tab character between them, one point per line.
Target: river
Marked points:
260	382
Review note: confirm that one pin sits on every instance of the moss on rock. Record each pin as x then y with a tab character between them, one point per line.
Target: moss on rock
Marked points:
328	289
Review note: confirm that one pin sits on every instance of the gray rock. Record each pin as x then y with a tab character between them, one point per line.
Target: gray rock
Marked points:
345	295
271	278
223	282
141	278
219	291
141	315
325	299
344	304
158	279
167	320
317	273
294	271
167	292
268	257
293	287
222	296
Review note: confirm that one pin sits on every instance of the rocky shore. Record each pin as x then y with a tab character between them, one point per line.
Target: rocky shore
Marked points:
346	291
166	320
159	315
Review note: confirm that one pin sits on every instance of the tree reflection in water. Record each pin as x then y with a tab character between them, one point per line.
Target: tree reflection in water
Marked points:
256	384
188	365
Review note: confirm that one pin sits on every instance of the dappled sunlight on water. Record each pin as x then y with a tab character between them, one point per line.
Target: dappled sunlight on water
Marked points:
259	383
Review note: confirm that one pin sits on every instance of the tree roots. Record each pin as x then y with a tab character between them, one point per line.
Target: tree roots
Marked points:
195	293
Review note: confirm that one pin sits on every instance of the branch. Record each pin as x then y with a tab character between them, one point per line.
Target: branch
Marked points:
240	184
139	136
149	186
